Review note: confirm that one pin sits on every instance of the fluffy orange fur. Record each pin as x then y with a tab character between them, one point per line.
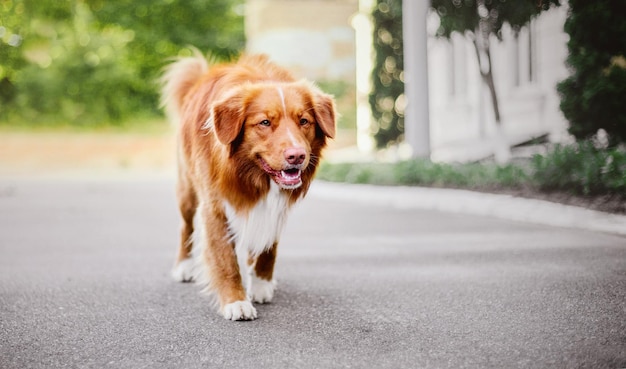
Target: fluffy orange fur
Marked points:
242	128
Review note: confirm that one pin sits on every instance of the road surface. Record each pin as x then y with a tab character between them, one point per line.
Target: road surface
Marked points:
84	283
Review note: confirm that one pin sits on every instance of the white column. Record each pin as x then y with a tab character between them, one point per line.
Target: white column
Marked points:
364	64
416	115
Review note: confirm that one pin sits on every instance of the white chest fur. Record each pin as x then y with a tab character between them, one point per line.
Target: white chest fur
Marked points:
261	227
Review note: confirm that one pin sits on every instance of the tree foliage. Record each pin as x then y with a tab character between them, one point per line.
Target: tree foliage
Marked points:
92	61
466	16
593	97
387	74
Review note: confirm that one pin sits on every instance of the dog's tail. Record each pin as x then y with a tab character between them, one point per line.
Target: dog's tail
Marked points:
178	78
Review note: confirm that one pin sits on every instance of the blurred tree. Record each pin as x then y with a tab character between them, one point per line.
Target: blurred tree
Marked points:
71	72
166	28
94	61
15	27
593	97
387	74
480	21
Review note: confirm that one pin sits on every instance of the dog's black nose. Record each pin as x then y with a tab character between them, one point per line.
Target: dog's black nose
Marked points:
295	155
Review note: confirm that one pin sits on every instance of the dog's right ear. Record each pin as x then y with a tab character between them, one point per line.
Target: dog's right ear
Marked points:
227	116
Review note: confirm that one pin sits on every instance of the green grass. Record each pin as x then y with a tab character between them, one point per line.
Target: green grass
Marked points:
579	169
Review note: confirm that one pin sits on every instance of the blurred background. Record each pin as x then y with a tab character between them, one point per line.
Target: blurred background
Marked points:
514	95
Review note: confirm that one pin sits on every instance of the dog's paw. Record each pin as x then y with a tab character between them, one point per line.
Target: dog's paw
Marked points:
239	310
261	290
184	271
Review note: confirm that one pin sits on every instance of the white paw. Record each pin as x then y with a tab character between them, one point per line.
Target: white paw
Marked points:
260	290
239	310
184	271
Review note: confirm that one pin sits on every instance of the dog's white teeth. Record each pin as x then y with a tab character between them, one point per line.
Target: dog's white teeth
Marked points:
290	174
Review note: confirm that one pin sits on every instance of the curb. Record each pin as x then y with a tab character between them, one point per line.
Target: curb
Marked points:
474	203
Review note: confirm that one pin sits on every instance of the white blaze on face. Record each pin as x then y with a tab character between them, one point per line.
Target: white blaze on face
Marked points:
282	100
292	138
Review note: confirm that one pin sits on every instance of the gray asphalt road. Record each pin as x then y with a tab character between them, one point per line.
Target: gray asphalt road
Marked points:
84	283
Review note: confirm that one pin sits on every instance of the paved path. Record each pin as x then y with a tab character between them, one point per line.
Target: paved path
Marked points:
84	283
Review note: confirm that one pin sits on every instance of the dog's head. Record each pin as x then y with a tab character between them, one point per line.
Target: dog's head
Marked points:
281	127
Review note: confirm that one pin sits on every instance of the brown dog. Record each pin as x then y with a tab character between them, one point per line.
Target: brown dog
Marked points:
249	141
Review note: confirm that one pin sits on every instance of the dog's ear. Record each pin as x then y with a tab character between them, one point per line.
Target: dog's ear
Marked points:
227	116
325	115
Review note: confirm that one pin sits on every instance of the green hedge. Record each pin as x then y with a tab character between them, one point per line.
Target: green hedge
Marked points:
582	169
579	169
593	97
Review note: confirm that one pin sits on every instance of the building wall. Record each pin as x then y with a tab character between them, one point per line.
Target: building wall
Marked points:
313	38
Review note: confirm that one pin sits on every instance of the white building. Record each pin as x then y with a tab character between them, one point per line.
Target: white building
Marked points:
526	67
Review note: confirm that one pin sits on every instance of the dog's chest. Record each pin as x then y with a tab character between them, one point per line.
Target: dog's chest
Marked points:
260	228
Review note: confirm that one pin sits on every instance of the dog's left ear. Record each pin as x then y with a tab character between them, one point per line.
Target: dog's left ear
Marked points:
325	115
227	116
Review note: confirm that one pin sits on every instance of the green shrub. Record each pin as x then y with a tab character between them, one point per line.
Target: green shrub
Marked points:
593	96
582	169
425	173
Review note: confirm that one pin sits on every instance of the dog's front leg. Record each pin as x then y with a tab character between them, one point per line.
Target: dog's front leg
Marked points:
220	259
261	283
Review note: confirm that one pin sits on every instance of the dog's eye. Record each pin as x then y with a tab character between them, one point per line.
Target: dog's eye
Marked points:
265	122
304	122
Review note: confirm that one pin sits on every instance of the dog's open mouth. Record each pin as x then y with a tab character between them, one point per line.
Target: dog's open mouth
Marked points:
288	178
